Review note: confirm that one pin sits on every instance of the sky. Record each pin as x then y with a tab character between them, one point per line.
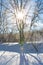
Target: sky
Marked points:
11	19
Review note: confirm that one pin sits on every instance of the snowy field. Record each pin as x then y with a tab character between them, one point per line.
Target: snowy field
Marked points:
10	54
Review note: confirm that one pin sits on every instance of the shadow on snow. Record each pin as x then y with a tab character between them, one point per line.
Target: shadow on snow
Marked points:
28	48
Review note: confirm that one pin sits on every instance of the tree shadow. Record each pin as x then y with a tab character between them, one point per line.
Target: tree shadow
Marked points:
10	48
2	53
39	61
16	48
23	60
9	60
28	48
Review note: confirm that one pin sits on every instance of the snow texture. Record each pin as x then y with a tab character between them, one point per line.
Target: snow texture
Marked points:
10	54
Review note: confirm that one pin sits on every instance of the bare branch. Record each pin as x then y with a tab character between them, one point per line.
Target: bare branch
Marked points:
6	8
25	3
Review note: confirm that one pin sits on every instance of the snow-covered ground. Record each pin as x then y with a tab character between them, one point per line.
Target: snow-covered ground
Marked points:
10	54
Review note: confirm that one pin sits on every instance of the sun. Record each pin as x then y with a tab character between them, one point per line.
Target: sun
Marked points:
20	15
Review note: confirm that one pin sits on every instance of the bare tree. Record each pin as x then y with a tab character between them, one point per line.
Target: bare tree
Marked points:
37	14
19	11
14	4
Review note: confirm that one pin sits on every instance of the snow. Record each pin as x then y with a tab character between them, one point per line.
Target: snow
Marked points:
10	54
